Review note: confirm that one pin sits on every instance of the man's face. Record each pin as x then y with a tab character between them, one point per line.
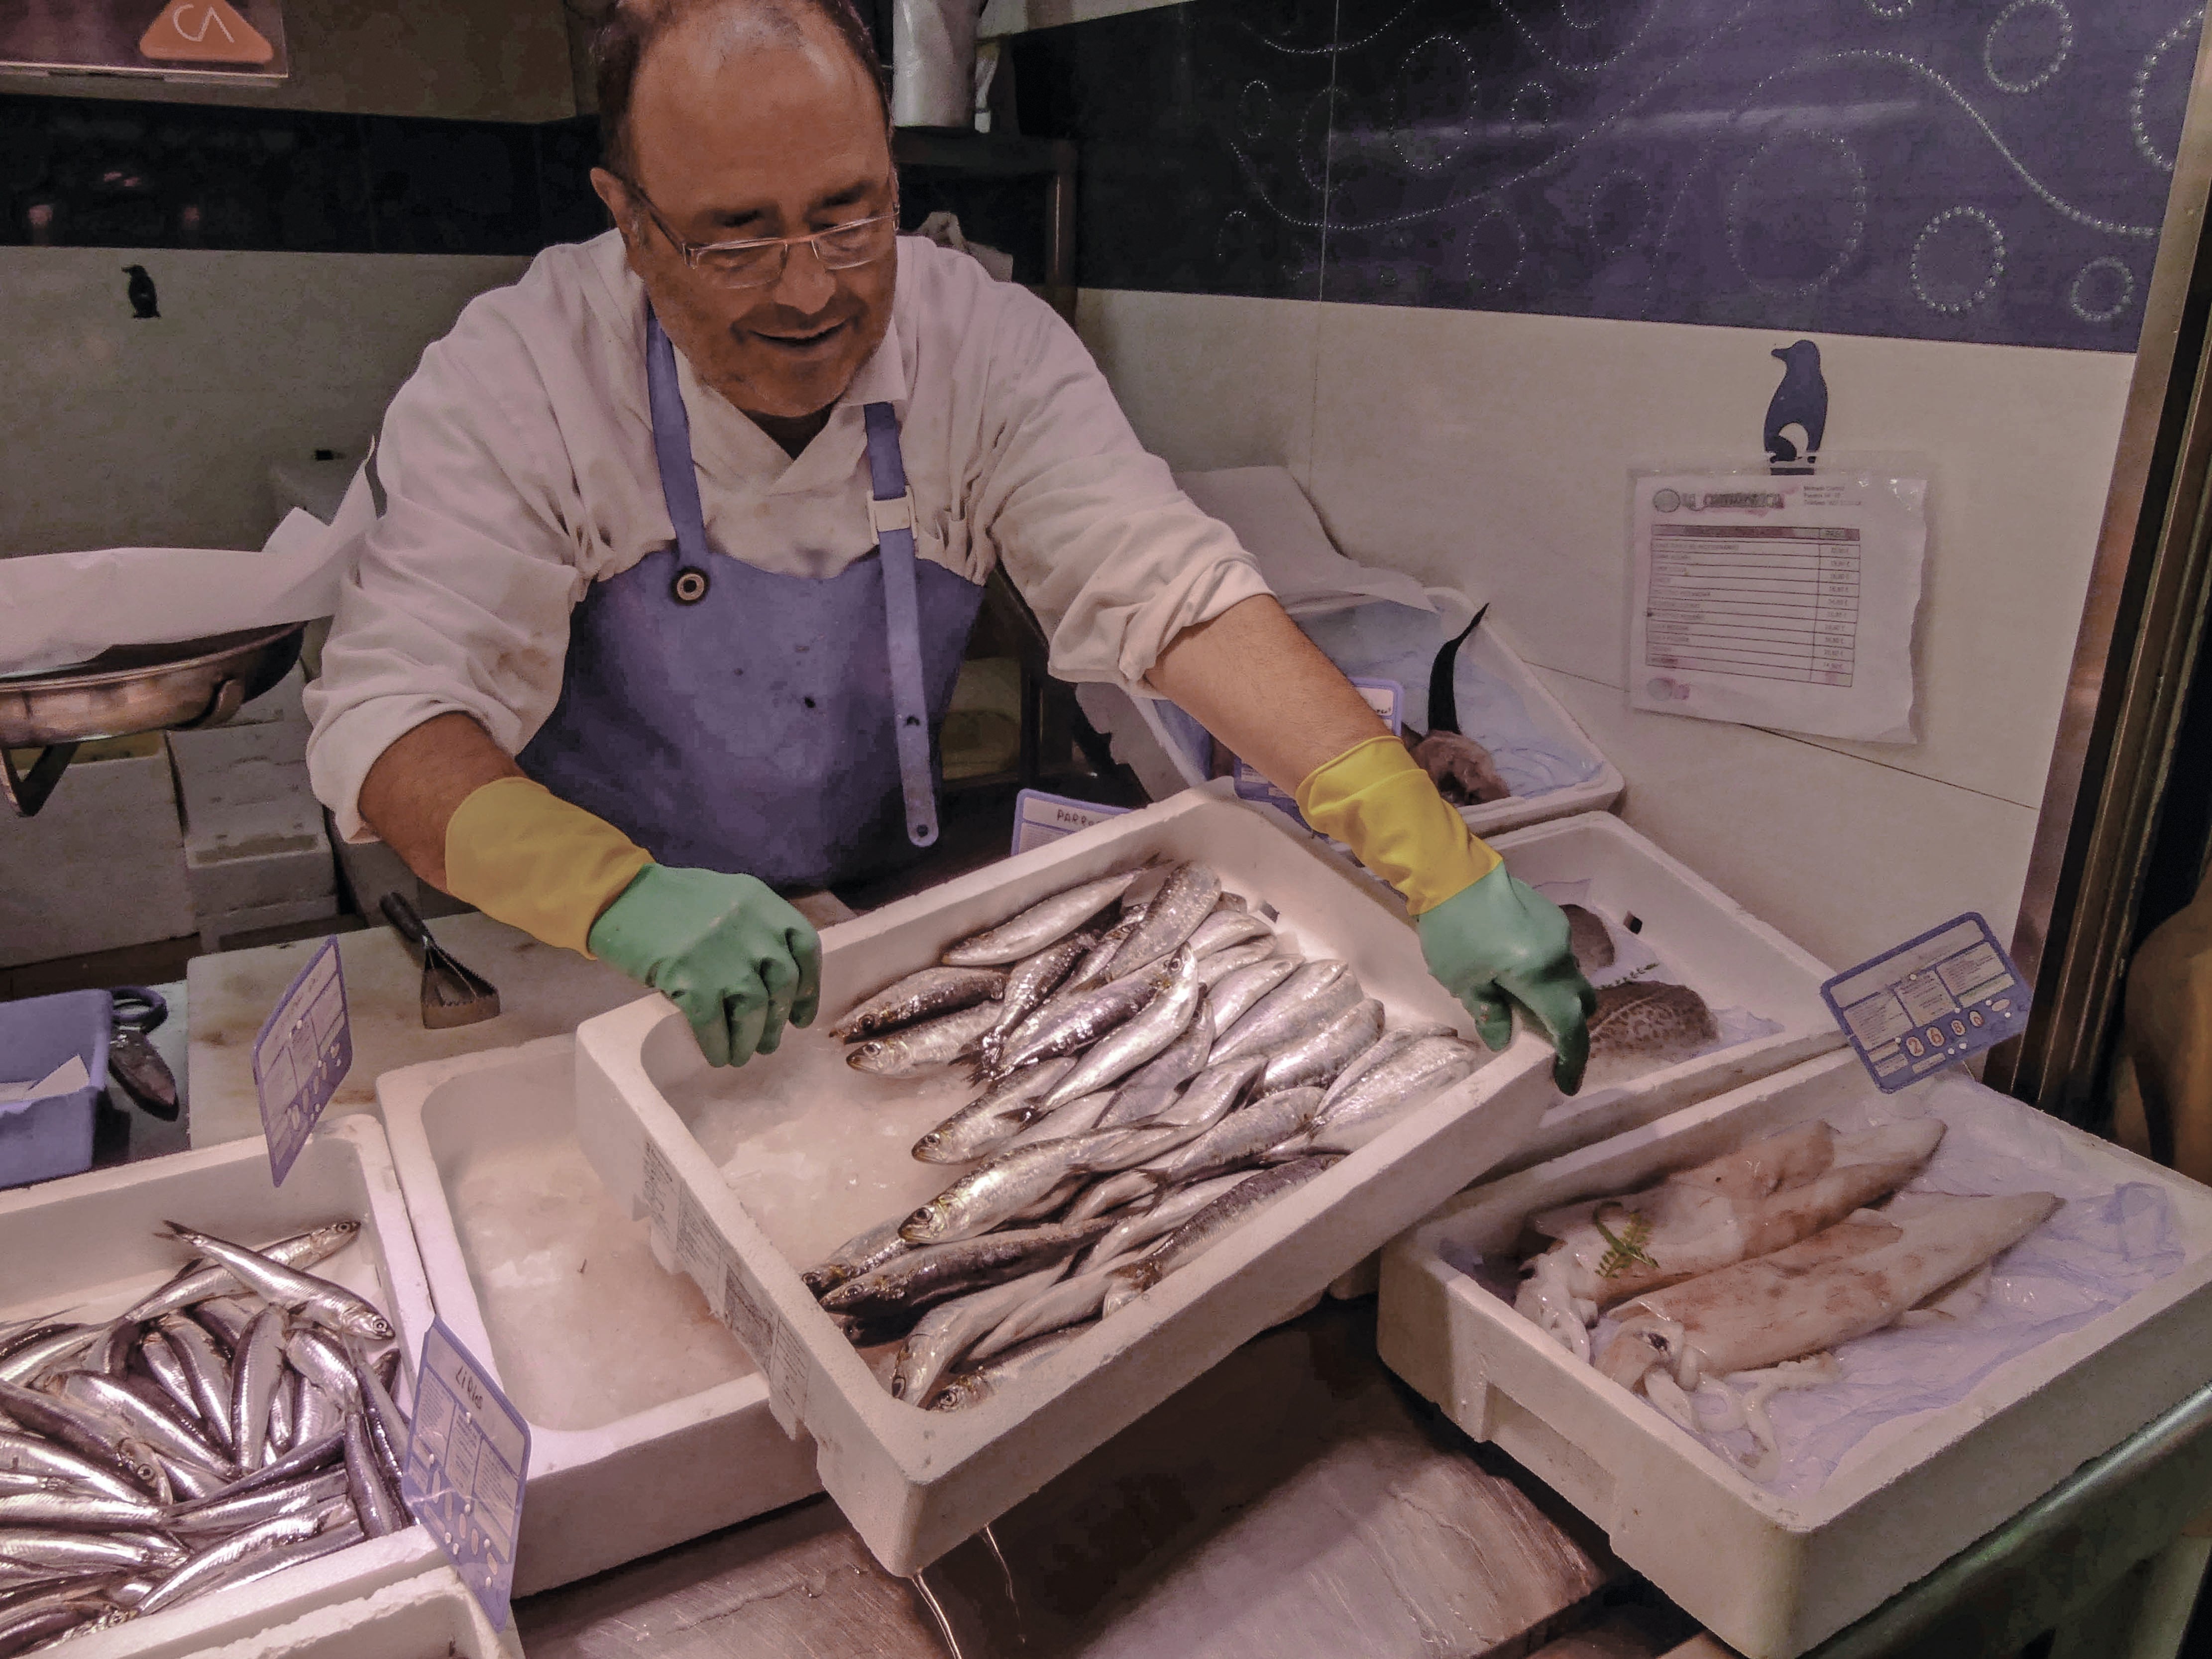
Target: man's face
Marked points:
737	132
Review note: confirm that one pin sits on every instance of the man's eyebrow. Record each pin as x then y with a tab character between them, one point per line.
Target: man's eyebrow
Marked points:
737	218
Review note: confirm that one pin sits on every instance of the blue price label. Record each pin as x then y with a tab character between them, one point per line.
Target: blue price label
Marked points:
1041	819
468	1452
1386	697
301	1055
1932	1002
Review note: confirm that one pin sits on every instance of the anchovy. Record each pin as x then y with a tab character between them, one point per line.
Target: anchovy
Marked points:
188	1479
856	1255
91	1434
1411	1078
77	1511
928	1276
249	1509
1178	909
1067	1024
283	1415
342	1534
254	1377
55	1551
949	1329
387	1424
924	996
1236	993
194	1283
225	1319
1226	929
1318	1058
1033	980
1163	1019
1174	1207
301	1460
111	1350
23	1630
162	1364
159	1428
1151	1088
210	1564
988	1121
1211	1224
25	1364
1314	993
967	1387
320	1300
323	1363
208	1372
1240	1137
28	1454
376	1504
1041	924
936	1042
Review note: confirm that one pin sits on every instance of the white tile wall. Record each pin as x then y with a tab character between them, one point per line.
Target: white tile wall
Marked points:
119	432
1491	450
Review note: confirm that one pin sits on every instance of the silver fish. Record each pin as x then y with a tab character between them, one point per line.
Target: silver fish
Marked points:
1186	898
304	1459
1215	1092
1211	1225
254	1376
925	1277
1219	965
970	1386
91	1434
1225	929
110	1349
1051	1308
1316	991
1091	970
226	1515
163	1430
28	1361
1108	1195
1072	1119
319	1299
951	1329
1041	925
1067	1023
323	1363
226	1318
931	993
1392	1043
187	1481
1318	1058
1033	980
1174	1205
1413	1076
936	1042
1002	1186
338	1533
856	1255
29	1455
387	1426
195	1283
376	1504
161	1363
283	1415
1240	1137
320	1415
987	1122
211	1564
1163	1019
208	1372
1641	1025
1151	1088
77	1511
1236	993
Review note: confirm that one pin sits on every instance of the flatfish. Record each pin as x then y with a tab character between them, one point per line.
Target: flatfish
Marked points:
1644	1024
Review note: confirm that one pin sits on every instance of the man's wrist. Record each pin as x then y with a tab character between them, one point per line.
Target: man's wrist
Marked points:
1377	799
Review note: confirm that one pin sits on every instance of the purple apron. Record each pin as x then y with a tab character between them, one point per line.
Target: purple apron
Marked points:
728	718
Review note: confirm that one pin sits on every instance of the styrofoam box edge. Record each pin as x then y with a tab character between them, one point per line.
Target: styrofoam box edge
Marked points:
160	1187
680	1469
912	1483
1772	1578
431	1613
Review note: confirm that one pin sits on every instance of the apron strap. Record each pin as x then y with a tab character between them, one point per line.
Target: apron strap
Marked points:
671	444
894	520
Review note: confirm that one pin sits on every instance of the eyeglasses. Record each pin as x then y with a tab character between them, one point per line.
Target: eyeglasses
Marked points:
759	262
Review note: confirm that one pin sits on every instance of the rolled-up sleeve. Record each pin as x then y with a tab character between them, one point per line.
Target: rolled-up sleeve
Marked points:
1112	556
461	595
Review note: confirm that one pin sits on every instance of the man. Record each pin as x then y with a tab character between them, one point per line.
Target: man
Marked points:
682	535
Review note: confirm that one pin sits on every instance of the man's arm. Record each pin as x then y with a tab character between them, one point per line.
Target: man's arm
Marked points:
416	786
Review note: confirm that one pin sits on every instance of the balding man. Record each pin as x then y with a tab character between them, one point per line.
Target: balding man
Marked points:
682	536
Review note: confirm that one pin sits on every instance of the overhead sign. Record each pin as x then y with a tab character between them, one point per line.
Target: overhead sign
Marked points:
204	32
227	42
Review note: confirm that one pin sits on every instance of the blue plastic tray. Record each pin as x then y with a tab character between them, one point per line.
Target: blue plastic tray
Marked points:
42	1139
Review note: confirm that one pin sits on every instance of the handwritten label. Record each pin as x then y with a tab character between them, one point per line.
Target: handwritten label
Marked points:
467	1454
1041	819
303	1052
1932	1002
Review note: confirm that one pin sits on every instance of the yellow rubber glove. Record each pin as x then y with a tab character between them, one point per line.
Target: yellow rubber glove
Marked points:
1486	936
523	855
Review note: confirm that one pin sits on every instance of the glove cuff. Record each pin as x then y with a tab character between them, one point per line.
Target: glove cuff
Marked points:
524	856
1375	798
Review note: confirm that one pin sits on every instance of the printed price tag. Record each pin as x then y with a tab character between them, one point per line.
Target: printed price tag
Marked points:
1930	1002
1041	819
466	1456
302	1055
1386	697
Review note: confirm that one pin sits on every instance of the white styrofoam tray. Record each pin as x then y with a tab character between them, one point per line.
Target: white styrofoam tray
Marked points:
430	1616
507	1214
1770	1576
1165	763
91	1243
914	1482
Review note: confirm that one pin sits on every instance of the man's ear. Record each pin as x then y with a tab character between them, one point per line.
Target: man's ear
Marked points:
620	207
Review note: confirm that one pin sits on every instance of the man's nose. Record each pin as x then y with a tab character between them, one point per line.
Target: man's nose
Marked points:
806	284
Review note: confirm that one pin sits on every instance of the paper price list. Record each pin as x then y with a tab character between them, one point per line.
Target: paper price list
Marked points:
1777	602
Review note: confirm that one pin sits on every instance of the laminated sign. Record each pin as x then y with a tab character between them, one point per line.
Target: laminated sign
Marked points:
1930	1002
302	1053
467	1453
1782	601
1041	819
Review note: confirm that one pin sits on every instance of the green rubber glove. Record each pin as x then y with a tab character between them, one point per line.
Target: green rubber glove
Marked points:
737	959
1499	938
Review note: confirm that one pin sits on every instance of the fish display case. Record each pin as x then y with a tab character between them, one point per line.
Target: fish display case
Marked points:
1915	1443
747	1177
649	1425
90	1243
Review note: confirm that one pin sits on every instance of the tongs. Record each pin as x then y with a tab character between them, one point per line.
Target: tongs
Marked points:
452	994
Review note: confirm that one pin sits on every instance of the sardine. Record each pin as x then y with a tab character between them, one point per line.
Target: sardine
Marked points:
936	1042
1213	1223
1225	929
1641	1025
1106	1196
1069	1024
1031	981
1413	1075
208	1372
1091	968
1185	900
1153	1086
925	1277
988	1121
1041	924
211	1564
1240	1137
195	1284
254	1376
1174	1205
1318	1059
1218	966
929	994
856	1255
1236	993
980	1382
1072	1119
1588	938
319	1300
949	1329
1314	993
1215	1092
1001	1187
1163	1019
1051	1308
1394	1041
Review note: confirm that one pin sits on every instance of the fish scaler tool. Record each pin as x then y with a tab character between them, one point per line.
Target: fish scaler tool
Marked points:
452	993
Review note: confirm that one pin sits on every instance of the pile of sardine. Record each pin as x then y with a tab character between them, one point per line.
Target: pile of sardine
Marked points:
1730	1281
235	1422
1155	1073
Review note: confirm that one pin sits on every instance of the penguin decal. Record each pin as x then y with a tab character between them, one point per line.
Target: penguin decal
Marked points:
140	293
1801	399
